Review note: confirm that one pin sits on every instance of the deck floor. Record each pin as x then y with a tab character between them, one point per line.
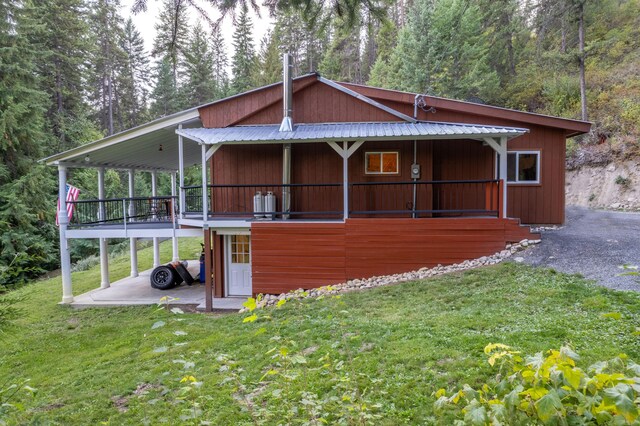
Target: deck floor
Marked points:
137	291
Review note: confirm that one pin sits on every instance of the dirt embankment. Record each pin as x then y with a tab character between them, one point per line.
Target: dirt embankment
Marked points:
612	186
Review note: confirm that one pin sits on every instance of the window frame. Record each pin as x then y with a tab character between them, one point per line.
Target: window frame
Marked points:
538	153
381	172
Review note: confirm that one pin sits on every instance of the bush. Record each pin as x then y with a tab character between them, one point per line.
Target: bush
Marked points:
549	389
623	181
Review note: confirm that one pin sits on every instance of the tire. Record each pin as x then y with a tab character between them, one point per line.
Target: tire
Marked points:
163	277
182	271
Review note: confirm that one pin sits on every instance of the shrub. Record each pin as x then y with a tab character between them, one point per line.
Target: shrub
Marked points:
624	182
549	389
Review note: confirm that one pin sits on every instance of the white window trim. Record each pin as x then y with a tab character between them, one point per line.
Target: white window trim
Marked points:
397	153
525	182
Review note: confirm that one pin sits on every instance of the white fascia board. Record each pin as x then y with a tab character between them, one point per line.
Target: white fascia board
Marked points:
162	123
131	233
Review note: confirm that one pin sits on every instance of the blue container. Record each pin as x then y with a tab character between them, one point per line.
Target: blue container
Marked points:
202	273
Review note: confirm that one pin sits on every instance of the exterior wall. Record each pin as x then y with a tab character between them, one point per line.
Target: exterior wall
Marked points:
288	256
316	102
543	203
318	163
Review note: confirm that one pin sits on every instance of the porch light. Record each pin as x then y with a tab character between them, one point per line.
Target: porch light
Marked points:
160	148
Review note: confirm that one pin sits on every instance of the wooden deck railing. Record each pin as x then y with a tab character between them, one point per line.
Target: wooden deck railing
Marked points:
366	199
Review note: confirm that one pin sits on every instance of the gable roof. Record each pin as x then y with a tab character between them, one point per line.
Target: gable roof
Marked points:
572	127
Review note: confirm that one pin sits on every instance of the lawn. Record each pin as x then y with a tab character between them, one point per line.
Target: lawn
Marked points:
389	348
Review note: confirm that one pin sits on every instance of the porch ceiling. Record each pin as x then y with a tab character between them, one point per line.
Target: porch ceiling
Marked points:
138	148
337	132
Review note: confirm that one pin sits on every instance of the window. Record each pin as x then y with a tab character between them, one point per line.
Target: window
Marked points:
381	163
240	249
523	167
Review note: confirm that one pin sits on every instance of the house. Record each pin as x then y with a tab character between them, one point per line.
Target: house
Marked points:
312	182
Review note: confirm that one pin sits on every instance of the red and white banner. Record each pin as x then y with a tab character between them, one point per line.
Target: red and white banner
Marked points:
72	195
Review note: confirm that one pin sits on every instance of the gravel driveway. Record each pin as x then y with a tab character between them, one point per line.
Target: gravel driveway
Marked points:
594	243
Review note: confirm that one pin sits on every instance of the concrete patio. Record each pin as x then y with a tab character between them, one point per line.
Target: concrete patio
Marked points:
137	291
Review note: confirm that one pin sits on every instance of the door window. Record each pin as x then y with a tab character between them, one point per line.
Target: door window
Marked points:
240	249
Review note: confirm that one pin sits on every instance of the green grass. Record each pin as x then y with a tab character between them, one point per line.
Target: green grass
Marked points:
406	341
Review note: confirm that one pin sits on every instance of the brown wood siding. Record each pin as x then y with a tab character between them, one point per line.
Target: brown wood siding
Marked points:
288	256
389	246
319	103
461	160
533	204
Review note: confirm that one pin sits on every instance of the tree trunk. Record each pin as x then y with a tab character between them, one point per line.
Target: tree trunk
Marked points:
583	84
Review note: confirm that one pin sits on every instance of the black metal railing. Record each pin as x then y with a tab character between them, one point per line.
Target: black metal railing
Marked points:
425	198
305	200
393	199
120	210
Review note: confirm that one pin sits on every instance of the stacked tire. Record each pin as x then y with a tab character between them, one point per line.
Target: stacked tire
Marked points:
166	277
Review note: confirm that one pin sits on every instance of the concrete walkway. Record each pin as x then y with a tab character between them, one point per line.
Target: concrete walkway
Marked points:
138	291
593	243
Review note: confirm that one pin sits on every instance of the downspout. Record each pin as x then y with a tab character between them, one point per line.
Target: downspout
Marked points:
286	126
415	160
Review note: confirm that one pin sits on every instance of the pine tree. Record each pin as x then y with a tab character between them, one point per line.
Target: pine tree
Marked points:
164	93
134	77
26	188
108	60
200	84
443	51
269	69
220	63
172	35
63	36
244	58
381	71
342	60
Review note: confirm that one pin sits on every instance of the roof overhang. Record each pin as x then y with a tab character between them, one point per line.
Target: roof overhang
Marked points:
336	132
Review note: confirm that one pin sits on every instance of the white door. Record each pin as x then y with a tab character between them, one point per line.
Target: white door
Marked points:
238	265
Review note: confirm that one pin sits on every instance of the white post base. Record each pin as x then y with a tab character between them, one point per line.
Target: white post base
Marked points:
176	255
104	264
156	252
67	300
133	251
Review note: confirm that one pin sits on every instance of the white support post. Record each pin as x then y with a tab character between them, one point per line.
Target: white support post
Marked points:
345	178
63	221
500	147
154	203
181	199
133	242
205	188
174	239
104	246
133	251
503	174
132	208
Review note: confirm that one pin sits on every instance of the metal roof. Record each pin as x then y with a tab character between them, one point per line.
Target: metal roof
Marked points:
348	132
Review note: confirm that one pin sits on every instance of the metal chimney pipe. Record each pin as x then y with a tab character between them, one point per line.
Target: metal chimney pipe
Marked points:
287	98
